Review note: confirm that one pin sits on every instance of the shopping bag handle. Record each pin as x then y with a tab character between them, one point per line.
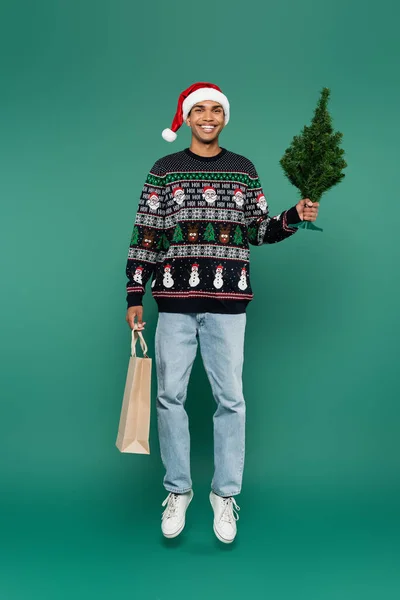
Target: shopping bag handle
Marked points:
135	336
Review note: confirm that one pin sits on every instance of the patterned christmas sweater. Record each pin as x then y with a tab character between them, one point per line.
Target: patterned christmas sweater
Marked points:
196	218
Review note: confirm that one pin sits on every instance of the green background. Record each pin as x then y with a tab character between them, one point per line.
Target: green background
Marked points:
87	88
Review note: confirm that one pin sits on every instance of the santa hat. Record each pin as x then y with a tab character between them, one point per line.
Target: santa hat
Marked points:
207	188
139	269
237	191
259	197
220	267
153	195
195	93
177	189
195	265
167	267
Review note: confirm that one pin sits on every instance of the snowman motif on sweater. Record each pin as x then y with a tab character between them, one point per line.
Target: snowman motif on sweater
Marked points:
194	278
153	201
168	282
242	284
218	281
138	275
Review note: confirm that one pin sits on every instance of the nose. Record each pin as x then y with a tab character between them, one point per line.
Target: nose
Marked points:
208	116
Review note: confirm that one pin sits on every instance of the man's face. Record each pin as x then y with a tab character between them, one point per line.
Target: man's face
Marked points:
206	120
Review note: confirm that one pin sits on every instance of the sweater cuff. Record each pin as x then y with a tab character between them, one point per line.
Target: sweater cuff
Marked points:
134	299
292	216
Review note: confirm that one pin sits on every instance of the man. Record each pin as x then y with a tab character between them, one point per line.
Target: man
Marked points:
200	209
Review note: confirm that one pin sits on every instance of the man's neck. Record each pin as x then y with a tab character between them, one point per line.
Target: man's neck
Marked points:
205	149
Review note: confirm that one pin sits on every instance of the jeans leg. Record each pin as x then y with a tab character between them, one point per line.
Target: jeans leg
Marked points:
221	343
176	347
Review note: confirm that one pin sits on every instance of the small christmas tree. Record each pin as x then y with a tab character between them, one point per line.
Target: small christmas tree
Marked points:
314	161
209	234
252	233
163	243
135	236
178	235
238	237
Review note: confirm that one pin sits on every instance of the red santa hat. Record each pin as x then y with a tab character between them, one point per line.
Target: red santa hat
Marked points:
195	265
153	195
237	191
139	269
220	267
259	197
195	93
208	188
177	189
167	267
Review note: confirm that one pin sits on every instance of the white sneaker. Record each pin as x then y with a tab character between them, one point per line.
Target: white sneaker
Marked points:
173	517
225	517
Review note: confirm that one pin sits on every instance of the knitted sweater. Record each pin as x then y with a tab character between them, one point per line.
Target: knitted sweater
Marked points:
196	218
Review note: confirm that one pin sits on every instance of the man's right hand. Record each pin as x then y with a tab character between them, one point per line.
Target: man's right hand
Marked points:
135	312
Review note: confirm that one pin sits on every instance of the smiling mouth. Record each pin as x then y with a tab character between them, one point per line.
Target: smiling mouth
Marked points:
208	128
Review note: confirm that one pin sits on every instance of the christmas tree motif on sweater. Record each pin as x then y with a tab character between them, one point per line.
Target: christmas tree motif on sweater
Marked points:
178	235
252	233
148	238
209	234
135	236
179	195
194	276
242	284
224	233
168	282
218	281
238	236
209	194
261	202
153	201
193	232
238	197
163	243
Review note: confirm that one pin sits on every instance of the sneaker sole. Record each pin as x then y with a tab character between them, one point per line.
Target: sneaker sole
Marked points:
173	535
170	536
221	539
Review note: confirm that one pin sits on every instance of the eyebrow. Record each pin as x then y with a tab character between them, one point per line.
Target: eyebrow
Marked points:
203	106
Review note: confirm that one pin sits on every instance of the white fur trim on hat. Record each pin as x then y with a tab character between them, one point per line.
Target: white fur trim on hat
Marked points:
199	96
169	135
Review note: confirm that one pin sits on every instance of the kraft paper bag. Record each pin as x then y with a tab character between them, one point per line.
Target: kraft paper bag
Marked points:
134	424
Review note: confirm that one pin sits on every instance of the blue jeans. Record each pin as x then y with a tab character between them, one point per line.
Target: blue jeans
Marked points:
221	338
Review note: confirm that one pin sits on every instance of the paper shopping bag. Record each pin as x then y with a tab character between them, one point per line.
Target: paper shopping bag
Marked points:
134	423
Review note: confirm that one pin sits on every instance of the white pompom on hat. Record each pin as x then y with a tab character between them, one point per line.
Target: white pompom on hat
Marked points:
197	92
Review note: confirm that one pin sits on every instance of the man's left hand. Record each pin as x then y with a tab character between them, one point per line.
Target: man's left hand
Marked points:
308	211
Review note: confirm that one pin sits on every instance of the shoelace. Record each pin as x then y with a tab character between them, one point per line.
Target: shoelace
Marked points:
230	511
171	501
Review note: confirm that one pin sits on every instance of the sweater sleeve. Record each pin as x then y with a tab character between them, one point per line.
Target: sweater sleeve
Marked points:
147	236
261	228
